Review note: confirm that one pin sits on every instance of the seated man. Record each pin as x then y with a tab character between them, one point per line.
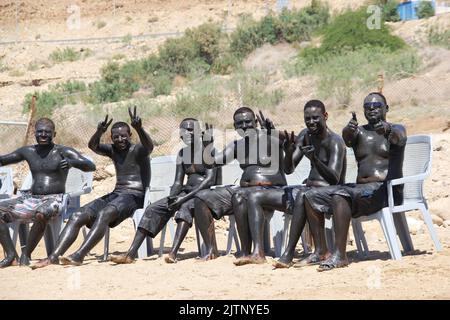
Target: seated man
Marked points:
132	165
181	198
379	149
326	152
260	155
49	165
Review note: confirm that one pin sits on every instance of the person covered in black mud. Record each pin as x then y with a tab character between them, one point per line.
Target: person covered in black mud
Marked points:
49	165
132	165
181	199
260	155
327	154
379	148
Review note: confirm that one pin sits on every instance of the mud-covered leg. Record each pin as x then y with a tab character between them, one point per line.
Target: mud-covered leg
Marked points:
205	224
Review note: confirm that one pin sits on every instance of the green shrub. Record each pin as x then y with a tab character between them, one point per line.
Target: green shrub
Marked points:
349	31
151	65
162	85
425	10
339	75
245	38
67	54
175	55
71	86
195	105
289	25
46	102
390	11
206	38
438	36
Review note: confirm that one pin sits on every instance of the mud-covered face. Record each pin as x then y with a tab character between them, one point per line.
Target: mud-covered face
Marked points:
243	122
44	133
121	137
374	109
315	120
189	131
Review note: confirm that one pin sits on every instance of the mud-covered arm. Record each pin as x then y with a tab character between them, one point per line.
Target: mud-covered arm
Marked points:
179	178
332	171
351	131
146	145
209	180
293	153
95	145
13	157
76	160
397	135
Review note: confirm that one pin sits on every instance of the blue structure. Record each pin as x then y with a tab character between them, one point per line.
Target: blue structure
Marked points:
407	10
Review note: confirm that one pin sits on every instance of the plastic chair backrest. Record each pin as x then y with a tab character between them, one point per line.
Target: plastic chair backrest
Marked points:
7	183
231	173
418	153
163	174
300	174
352	167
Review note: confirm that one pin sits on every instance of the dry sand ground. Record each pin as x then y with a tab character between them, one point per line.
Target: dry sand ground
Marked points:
424	275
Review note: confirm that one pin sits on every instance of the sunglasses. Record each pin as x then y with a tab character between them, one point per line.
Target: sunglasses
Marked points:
373	104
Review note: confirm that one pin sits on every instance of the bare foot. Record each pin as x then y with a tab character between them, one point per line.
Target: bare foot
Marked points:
24	260
171	258
243	260
250	260
9	262
312	259
122	259
281	265
285	261
335	261
69	261
209	256
43	263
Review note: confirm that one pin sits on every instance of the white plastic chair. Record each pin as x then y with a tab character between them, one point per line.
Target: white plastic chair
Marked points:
77	184
416	168
7	183
162	170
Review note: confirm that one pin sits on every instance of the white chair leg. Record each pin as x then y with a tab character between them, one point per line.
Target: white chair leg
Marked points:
360	238
276	229
231	232
329	233
387	224
171	228
429	222
356	234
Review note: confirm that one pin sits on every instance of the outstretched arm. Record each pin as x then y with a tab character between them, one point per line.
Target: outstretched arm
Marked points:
11	158
350	132
145	139
72	158
94	143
